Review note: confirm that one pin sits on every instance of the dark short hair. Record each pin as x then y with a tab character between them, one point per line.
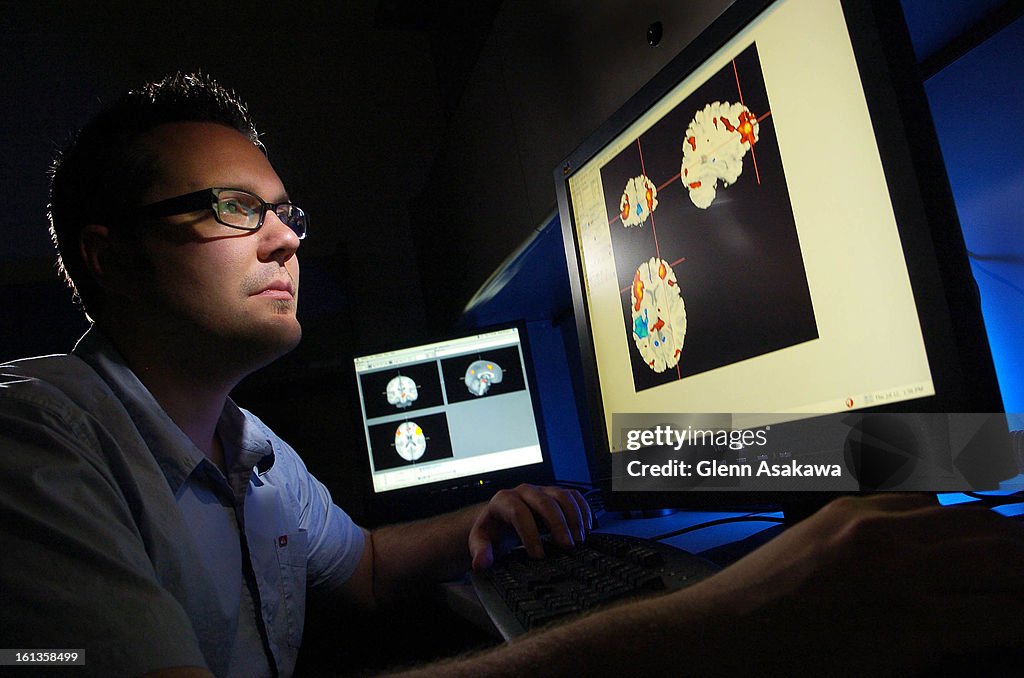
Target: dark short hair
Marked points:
104	170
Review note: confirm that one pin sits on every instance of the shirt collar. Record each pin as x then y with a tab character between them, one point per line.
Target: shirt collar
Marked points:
175	453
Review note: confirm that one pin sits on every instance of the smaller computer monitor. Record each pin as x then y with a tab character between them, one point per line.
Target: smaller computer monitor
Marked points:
447	423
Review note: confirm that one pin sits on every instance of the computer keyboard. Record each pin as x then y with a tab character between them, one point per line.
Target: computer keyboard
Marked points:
520	593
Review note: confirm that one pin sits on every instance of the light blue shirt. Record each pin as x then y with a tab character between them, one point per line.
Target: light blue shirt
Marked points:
121	538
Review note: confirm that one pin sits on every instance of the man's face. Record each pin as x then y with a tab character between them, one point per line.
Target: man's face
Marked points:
229	291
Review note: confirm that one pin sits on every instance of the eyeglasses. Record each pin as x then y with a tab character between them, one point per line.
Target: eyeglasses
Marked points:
232	207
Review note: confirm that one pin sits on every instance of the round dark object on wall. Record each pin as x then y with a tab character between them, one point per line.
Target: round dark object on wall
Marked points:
654	33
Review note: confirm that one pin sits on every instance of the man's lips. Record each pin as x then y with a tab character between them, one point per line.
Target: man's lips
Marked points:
277	289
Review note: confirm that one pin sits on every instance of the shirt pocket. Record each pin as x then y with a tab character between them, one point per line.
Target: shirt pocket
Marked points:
292	554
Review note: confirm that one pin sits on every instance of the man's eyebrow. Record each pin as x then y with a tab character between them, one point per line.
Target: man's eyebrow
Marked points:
280	197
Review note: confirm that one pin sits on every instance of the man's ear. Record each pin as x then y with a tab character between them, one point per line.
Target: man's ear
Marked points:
94	248
106	256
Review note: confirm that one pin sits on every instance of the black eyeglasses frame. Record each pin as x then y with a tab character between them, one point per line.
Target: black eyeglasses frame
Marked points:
207	198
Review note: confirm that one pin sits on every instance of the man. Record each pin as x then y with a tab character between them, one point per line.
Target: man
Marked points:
152	522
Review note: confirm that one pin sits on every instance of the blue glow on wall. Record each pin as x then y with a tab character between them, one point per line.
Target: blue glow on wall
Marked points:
976	103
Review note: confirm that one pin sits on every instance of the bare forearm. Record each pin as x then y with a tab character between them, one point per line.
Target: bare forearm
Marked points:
687	631
432	550
865	586
402	558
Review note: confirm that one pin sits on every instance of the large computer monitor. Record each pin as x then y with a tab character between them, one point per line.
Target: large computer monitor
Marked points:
766	228
449	422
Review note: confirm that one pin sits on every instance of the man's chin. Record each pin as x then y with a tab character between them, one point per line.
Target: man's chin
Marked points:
286	338
270	343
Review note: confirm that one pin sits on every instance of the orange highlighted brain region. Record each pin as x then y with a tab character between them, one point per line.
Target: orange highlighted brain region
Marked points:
659	315
639	200
716	140
410	443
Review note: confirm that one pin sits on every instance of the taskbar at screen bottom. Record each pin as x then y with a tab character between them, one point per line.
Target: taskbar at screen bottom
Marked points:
415	475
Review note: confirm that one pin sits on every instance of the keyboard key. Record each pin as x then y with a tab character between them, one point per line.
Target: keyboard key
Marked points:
520	593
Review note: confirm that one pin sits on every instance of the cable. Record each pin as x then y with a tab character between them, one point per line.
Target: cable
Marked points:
749	518
575	484
1016	288
993	500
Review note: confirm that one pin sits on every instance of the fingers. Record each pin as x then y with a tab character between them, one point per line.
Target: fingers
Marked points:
888	502
552	510
480	550
491	527
928	548
898	501
907	518
575	511
517	508
565	514
971	540
586	516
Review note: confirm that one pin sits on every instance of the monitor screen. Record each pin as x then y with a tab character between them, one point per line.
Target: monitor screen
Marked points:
450	414
752	234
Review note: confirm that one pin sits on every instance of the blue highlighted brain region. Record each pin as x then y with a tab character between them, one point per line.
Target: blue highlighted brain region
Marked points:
658	314
638	202
698	192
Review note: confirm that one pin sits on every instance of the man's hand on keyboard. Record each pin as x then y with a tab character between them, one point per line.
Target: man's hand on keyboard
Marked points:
889	584
884	582
524	512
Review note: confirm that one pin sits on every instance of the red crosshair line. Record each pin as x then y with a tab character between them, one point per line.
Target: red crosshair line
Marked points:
753	156
672	265
618	217
654	230
643	170
660	188
739	89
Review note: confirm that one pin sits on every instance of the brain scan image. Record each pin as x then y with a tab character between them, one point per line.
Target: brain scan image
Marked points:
722	197
658	313
716	141
480	375
401	392
410	443
639	200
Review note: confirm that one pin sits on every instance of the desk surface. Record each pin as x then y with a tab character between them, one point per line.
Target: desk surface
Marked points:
722	527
